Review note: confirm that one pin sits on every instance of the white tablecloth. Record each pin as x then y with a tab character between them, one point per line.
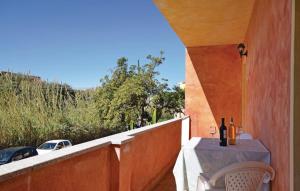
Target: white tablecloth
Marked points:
203	155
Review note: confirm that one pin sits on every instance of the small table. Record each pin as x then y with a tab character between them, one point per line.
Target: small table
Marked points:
204	155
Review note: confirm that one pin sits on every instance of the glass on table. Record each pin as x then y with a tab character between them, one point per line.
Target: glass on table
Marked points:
212	130
239	131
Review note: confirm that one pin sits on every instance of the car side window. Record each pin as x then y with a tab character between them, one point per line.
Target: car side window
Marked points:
66	143
17	156
33	152
26	153
60	145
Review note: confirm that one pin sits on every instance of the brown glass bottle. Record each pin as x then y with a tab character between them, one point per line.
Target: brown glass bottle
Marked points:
231	133
223	133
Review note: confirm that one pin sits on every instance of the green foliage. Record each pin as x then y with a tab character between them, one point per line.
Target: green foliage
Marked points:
131	93
33	111
174	100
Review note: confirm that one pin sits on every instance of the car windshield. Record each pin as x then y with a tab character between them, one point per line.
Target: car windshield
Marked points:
5	155
47	146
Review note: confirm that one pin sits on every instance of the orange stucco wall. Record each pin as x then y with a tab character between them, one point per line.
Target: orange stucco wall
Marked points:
153	154
213	87
296	132
268	82
89	171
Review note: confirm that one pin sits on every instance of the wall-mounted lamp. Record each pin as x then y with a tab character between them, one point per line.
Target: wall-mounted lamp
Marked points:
241	47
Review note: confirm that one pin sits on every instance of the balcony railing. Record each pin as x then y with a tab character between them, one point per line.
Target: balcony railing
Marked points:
134	160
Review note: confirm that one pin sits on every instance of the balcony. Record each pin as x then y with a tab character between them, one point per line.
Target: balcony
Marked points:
140	159
258	89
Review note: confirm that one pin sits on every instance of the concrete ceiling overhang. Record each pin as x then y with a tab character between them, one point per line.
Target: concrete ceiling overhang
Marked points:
208	22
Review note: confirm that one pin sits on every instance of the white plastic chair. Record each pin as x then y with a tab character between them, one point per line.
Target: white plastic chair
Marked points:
244	176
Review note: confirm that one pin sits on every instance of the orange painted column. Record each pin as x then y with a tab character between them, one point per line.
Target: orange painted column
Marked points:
122	164
296	131
140	160
213	87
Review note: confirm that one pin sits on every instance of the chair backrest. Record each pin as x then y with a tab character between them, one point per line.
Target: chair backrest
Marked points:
244	176
244	180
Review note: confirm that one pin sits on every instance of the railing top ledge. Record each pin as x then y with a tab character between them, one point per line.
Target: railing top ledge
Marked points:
151	127
129	135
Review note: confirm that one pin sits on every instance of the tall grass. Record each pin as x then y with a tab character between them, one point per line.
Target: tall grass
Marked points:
33	111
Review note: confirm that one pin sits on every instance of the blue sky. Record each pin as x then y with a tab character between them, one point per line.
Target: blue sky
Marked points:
78	41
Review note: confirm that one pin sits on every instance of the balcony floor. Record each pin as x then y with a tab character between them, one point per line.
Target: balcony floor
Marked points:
167	183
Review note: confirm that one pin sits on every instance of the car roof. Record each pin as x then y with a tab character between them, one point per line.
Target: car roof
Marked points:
14	149
57	141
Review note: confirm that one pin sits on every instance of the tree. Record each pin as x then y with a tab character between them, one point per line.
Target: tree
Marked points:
174	101
124	98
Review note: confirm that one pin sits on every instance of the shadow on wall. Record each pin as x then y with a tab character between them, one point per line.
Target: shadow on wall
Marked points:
214	85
